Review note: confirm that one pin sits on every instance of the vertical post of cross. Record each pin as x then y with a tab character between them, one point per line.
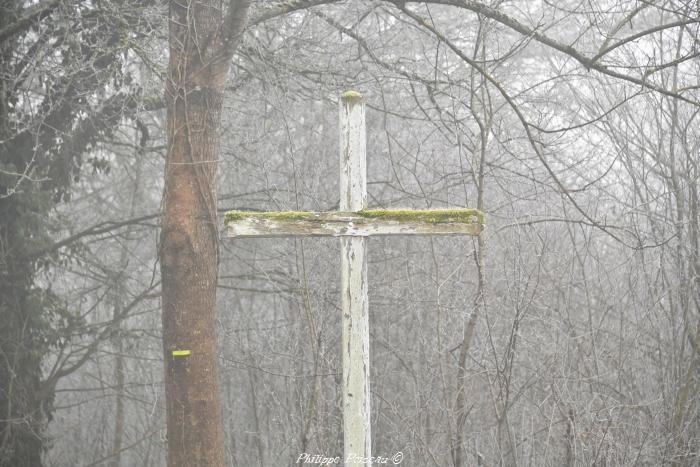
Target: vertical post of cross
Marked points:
355	317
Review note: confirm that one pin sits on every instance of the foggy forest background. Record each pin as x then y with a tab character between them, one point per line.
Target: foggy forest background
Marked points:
568	334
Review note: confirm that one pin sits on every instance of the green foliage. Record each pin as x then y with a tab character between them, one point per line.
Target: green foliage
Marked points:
77	93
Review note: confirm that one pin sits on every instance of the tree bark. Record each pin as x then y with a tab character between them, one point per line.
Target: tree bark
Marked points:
202	41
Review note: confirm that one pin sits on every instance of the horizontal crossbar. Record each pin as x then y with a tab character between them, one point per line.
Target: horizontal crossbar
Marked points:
361	223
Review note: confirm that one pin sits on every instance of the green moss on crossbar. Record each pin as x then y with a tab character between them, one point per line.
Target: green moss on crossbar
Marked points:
434	216
285	215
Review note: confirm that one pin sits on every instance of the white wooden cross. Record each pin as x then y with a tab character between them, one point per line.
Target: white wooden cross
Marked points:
353	223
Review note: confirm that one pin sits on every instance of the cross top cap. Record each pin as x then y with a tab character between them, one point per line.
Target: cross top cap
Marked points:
350	94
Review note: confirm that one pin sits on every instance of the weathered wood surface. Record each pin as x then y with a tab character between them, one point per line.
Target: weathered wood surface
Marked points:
353	223
353	158
357	438
355	350
364	223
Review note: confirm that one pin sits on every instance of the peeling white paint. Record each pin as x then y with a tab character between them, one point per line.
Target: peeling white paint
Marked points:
353	228
353	282
336	224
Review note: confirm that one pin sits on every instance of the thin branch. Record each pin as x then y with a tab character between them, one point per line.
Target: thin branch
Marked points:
49	383
283	8
526	126
639	35
109	226
514	24
38	11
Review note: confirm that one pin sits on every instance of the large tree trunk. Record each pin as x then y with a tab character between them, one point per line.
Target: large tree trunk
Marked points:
201	45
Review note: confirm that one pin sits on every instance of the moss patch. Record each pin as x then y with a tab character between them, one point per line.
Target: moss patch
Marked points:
285	215
434	216
351	95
